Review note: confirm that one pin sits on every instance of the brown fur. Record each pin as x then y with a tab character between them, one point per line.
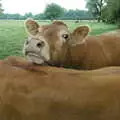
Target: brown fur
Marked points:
50	93
97	51
80	50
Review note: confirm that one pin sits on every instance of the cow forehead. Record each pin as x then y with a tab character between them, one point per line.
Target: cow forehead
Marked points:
52	30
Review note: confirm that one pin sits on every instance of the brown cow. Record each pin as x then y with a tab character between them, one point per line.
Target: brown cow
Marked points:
30	92
54	44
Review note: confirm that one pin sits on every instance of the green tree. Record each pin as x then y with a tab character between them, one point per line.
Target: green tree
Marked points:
53	11
39	16
28	15
77	15
1	10
111	12
96	7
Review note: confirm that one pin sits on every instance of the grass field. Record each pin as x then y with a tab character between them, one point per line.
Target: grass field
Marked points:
13	35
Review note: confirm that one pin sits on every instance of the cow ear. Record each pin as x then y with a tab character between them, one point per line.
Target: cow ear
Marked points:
31	26
79	34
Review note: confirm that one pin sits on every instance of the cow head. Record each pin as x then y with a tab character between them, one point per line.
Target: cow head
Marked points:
50	43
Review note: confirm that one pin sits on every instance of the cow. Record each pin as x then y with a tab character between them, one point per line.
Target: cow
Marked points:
35	92
54	44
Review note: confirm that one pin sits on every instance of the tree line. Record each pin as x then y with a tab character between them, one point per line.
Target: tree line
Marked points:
103	10
68	15
52	11
106	10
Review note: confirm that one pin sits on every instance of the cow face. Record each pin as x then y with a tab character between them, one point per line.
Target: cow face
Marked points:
50	43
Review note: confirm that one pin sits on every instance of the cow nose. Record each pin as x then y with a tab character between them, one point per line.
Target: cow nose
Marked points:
40	44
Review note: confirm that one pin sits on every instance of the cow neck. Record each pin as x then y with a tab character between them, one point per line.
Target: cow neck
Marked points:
66	56
80	49
68	59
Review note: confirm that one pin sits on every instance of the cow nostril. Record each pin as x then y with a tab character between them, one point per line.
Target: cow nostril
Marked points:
40	44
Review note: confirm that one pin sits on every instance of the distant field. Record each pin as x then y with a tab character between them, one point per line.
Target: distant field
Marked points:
12	34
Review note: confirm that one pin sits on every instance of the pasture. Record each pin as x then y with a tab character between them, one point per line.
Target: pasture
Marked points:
13	35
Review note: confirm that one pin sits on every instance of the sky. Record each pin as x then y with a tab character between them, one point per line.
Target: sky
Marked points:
38	6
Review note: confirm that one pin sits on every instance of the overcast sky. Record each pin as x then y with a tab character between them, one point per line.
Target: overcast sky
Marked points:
38	6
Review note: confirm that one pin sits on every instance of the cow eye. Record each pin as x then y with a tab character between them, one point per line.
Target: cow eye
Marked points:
65	36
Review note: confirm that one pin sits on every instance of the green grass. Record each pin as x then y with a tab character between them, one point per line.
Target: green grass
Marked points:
13	35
